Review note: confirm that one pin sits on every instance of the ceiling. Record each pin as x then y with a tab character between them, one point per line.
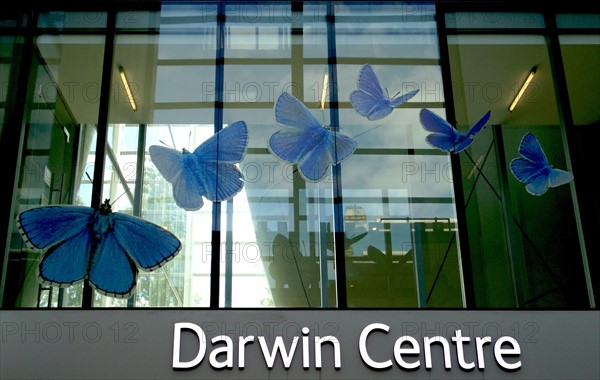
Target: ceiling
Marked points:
486	73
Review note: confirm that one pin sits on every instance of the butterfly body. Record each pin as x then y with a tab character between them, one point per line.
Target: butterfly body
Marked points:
533	169
209	171
369	99
305	142
103	246
444	136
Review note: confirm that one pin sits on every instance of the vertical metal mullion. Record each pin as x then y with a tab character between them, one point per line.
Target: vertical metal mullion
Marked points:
139	170
338	212
567	127
101	132
215	265
461	212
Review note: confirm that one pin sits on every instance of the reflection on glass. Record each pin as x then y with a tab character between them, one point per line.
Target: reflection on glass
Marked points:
398	204
59	137
517	240
578	53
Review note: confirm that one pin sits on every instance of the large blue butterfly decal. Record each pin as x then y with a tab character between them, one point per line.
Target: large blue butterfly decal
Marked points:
444	136
533	168
209	171
305	141
103	246
370	100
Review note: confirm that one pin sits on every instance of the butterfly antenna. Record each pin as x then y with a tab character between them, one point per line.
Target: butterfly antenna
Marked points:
127	190
92	181
123	193
172	137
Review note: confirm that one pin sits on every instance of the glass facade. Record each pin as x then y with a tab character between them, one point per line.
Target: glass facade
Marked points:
400	223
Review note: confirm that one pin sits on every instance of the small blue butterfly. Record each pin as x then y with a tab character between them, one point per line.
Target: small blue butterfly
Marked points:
103	246
208	172
306	142
370	101
444	136
533	168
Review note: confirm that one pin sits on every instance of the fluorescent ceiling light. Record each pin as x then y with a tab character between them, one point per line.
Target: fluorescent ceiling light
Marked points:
522	90
127	88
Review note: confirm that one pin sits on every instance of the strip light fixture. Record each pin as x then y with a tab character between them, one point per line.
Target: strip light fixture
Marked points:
127	88
522	89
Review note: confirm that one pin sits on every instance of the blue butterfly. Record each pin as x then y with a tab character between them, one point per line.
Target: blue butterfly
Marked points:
533	168
305	142
370	101
208	172
103	246
444	136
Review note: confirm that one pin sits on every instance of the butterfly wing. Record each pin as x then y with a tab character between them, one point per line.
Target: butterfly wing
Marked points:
149	245
333	149
559	177
369	99
227	145
169	162
178	169
291	144
531	149
443	136
538	185
44	227
214	169
525	170
216	181
66	263
533	169
404	98
187	190
535	175
112	272
477	127
290	112
341	146
306	142
62	231
129	243
464	140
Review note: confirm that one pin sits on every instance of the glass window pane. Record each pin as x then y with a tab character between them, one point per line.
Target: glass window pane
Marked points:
578	20
398	209
275	258
580	53
173	87
487	20
62	20
517	239
56	161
